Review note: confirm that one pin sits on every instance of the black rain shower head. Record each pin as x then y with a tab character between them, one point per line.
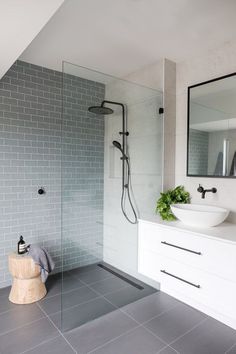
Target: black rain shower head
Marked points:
100	110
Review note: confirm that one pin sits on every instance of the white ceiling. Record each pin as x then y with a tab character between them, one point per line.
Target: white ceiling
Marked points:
20	22
120	36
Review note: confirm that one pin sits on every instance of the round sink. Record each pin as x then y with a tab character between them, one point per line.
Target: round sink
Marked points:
199	215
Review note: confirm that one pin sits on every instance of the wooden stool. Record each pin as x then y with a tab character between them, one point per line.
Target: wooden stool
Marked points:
27	286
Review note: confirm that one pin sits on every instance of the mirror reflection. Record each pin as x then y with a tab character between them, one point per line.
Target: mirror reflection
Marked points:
212	128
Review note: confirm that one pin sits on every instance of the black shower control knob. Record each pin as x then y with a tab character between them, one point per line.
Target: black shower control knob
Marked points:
41	191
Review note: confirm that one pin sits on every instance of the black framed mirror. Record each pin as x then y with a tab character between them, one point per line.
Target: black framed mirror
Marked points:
211	135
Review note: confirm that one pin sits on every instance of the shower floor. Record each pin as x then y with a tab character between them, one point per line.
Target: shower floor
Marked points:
89	292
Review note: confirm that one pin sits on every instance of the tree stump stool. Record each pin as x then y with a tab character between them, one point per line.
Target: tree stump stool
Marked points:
27	286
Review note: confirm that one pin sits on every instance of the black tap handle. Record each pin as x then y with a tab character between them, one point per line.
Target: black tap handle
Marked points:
200	189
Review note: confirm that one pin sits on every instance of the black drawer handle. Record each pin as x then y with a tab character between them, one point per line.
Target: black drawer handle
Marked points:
181	279
181	248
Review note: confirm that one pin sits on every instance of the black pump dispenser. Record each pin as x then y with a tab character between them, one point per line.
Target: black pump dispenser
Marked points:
21	249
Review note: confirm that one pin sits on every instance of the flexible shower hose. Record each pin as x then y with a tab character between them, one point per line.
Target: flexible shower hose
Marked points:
126	187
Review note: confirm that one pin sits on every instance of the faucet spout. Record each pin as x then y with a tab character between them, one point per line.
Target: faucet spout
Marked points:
204	191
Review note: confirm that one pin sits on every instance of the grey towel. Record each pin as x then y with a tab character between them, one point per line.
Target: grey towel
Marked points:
41	257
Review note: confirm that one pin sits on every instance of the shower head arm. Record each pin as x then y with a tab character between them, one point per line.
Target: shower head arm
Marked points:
123	117
115	103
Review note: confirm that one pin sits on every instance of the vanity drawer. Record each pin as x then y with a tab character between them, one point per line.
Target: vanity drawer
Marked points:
209	290
207	254
201	252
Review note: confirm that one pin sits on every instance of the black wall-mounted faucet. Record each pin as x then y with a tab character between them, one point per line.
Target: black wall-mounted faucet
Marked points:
204	191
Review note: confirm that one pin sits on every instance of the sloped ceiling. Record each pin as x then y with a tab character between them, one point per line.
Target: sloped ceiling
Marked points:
20	22
120	36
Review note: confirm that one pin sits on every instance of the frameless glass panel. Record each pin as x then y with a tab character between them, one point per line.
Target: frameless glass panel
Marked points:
111	173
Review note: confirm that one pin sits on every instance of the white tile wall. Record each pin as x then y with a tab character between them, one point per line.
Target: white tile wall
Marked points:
219	62
145	126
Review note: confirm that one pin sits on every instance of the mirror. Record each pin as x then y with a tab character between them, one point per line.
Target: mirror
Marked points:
212	128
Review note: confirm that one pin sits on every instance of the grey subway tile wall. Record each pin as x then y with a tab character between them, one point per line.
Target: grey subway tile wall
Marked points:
37	148
199	140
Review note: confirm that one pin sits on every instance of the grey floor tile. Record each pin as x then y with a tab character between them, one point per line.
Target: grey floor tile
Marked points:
55	285
27	337
109	285
232	350
6	305
100	331
83	269
69	299
78	315
5	291
168	350
57	345
174	323
138	341
19	317
93	275
150	306
127	295
209	337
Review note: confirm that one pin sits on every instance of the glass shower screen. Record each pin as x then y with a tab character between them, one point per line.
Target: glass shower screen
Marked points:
95	232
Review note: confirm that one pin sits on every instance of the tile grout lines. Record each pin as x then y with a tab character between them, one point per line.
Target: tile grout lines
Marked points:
190	330
138	326
57	329
24	325
227	351
38	345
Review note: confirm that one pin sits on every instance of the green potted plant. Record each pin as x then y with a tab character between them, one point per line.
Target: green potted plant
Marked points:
172	196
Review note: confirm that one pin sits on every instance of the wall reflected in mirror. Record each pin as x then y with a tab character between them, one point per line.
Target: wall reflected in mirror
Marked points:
212	128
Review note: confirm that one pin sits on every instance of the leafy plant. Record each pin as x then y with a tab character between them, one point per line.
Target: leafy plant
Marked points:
172	196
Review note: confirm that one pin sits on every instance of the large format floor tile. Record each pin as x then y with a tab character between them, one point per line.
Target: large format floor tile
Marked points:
137	341
55	285
27	337
19	317
209	337
150	306
127	295
109	285
78	315
5	291
57	345
232	350
6	305
168	350
175	323
75	297
98	332
93	276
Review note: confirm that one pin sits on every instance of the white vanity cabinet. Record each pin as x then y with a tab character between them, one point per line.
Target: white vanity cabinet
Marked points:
195	267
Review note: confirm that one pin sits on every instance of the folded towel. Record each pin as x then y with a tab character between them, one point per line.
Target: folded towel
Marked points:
41	257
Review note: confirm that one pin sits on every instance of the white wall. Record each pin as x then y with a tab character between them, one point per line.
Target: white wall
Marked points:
219	62
145	150
20	22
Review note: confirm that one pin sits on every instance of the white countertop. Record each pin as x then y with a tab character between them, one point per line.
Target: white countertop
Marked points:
225	232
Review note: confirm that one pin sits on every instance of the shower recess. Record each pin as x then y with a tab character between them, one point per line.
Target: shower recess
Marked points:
126	173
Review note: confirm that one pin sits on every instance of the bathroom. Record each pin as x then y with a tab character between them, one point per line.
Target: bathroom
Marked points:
87	145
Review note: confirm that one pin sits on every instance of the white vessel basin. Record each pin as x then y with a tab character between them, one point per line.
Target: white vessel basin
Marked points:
199	215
